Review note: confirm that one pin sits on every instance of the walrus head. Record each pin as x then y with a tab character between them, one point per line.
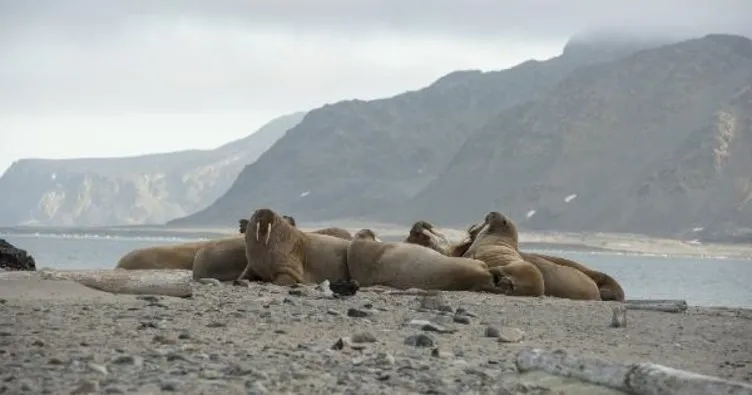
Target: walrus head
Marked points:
366	234
263	221
498	224
243	223
425	234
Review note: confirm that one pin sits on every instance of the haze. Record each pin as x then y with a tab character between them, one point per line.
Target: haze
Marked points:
115	78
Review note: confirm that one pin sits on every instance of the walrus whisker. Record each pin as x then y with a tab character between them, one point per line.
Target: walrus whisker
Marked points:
268	233
257	230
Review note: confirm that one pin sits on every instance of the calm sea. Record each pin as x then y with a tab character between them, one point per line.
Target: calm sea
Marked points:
701	281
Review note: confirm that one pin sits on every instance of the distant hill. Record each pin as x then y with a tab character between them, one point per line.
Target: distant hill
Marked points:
357	158
658	142
148	189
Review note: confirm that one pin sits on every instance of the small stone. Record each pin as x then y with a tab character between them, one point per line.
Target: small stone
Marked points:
114	389
55	361
86	387
434	300
492	331
38	343
162	339
353	312
463	311
363	337
511	335
437	353
280	331
339	344
461	319
184	335
210	281
384	359
149	298
288	301
296	292
255	388
333	312
420	340
134	360
148	324
210	374
619	317
215	324
429	326
97	368
169	385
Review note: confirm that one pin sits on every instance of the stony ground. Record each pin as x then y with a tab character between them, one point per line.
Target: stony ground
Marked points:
268	339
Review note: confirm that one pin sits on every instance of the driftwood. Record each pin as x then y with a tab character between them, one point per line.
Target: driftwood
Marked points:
638	379
135	282
664	305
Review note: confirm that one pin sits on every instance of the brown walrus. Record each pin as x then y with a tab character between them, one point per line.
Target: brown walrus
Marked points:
278	252
175	256
609	288
223	260
243	223
497	241
366	234
403	265
425	234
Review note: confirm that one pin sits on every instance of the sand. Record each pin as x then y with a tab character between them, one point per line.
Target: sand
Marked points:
61	337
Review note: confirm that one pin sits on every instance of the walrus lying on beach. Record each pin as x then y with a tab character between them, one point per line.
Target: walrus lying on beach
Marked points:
425	234
608	287
177	256
331	231
278	252
223	260
497	243
404	265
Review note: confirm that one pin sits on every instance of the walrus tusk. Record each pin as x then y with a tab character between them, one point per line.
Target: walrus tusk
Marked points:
268	233
432	234
257	230
376	239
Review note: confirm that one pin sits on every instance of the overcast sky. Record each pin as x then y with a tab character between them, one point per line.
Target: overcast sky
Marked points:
111	77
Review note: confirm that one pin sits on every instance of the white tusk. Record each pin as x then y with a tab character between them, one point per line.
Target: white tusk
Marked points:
257	230
377	239
268	233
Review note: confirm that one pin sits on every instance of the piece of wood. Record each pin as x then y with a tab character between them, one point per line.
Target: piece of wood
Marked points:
134	282
638	378
666	307
654	379
655	301
560	363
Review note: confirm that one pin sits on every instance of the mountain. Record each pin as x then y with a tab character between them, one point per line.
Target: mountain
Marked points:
356	157
144	189
658	142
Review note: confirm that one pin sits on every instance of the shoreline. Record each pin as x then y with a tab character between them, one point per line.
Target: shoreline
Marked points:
594	243
266	338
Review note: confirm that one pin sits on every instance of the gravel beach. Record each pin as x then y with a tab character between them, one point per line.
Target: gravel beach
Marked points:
60	337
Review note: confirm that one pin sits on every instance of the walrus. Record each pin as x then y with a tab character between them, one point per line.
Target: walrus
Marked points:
366	234
498	242
243	223
331	231
278	252
224	259
425	234
177	256
403	265
609	288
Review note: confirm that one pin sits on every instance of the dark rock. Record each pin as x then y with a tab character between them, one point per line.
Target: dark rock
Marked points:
363	337
352	312
492	331
344	287
419	340
13	258
463	311
462	319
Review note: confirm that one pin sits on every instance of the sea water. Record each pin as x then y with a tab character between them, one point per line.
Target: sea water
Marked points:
701	281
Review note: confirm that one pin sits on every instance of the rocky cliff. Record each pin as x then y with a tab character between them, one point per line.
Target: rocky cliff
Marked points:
659	142
356	158
149	189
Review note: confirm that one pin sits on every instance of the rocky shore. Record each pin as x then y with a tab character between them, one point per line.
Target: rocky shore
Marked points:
14	258
61	337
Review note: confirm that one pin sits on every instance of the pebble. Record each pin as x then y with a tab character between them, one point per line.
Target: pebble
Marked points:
461	319
363	337
163	339
511	335
429	326
435	301
134	360
169	385
419	340
86	387
210	281
97	368
492	331
461	311
353	312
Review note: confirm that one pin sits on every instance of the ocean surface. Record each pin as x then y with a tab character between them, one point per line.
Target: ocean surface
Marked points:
701	281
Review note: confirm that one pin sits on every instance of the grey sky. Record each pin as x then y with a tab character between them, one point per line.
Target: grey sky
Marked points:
168	74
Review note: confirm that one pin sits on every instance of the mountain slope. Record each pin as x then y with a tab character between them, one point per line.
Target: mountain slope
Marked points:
657	142
144	189
356	157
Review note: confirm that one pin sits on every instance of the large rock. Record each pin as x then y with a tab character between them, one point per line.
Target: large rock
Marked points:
13	258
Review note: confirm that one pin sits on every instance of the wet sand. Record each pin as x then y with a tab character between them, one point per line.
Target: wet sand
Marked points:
60	337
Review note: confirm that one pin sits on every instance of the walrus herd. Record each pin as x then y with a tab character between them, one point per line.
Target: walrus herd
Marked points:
270	248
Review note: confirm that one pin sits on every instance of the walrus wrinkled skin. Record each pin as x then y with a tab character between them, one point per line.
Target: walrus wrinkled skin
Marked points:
609	288
278	252
366	234
403	265
425	234
335	232
177	256
224	259
558	281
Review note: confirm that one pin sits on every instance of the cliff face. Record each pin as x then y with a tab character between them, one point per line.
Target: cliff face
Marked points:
149	189
658	142
357	158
